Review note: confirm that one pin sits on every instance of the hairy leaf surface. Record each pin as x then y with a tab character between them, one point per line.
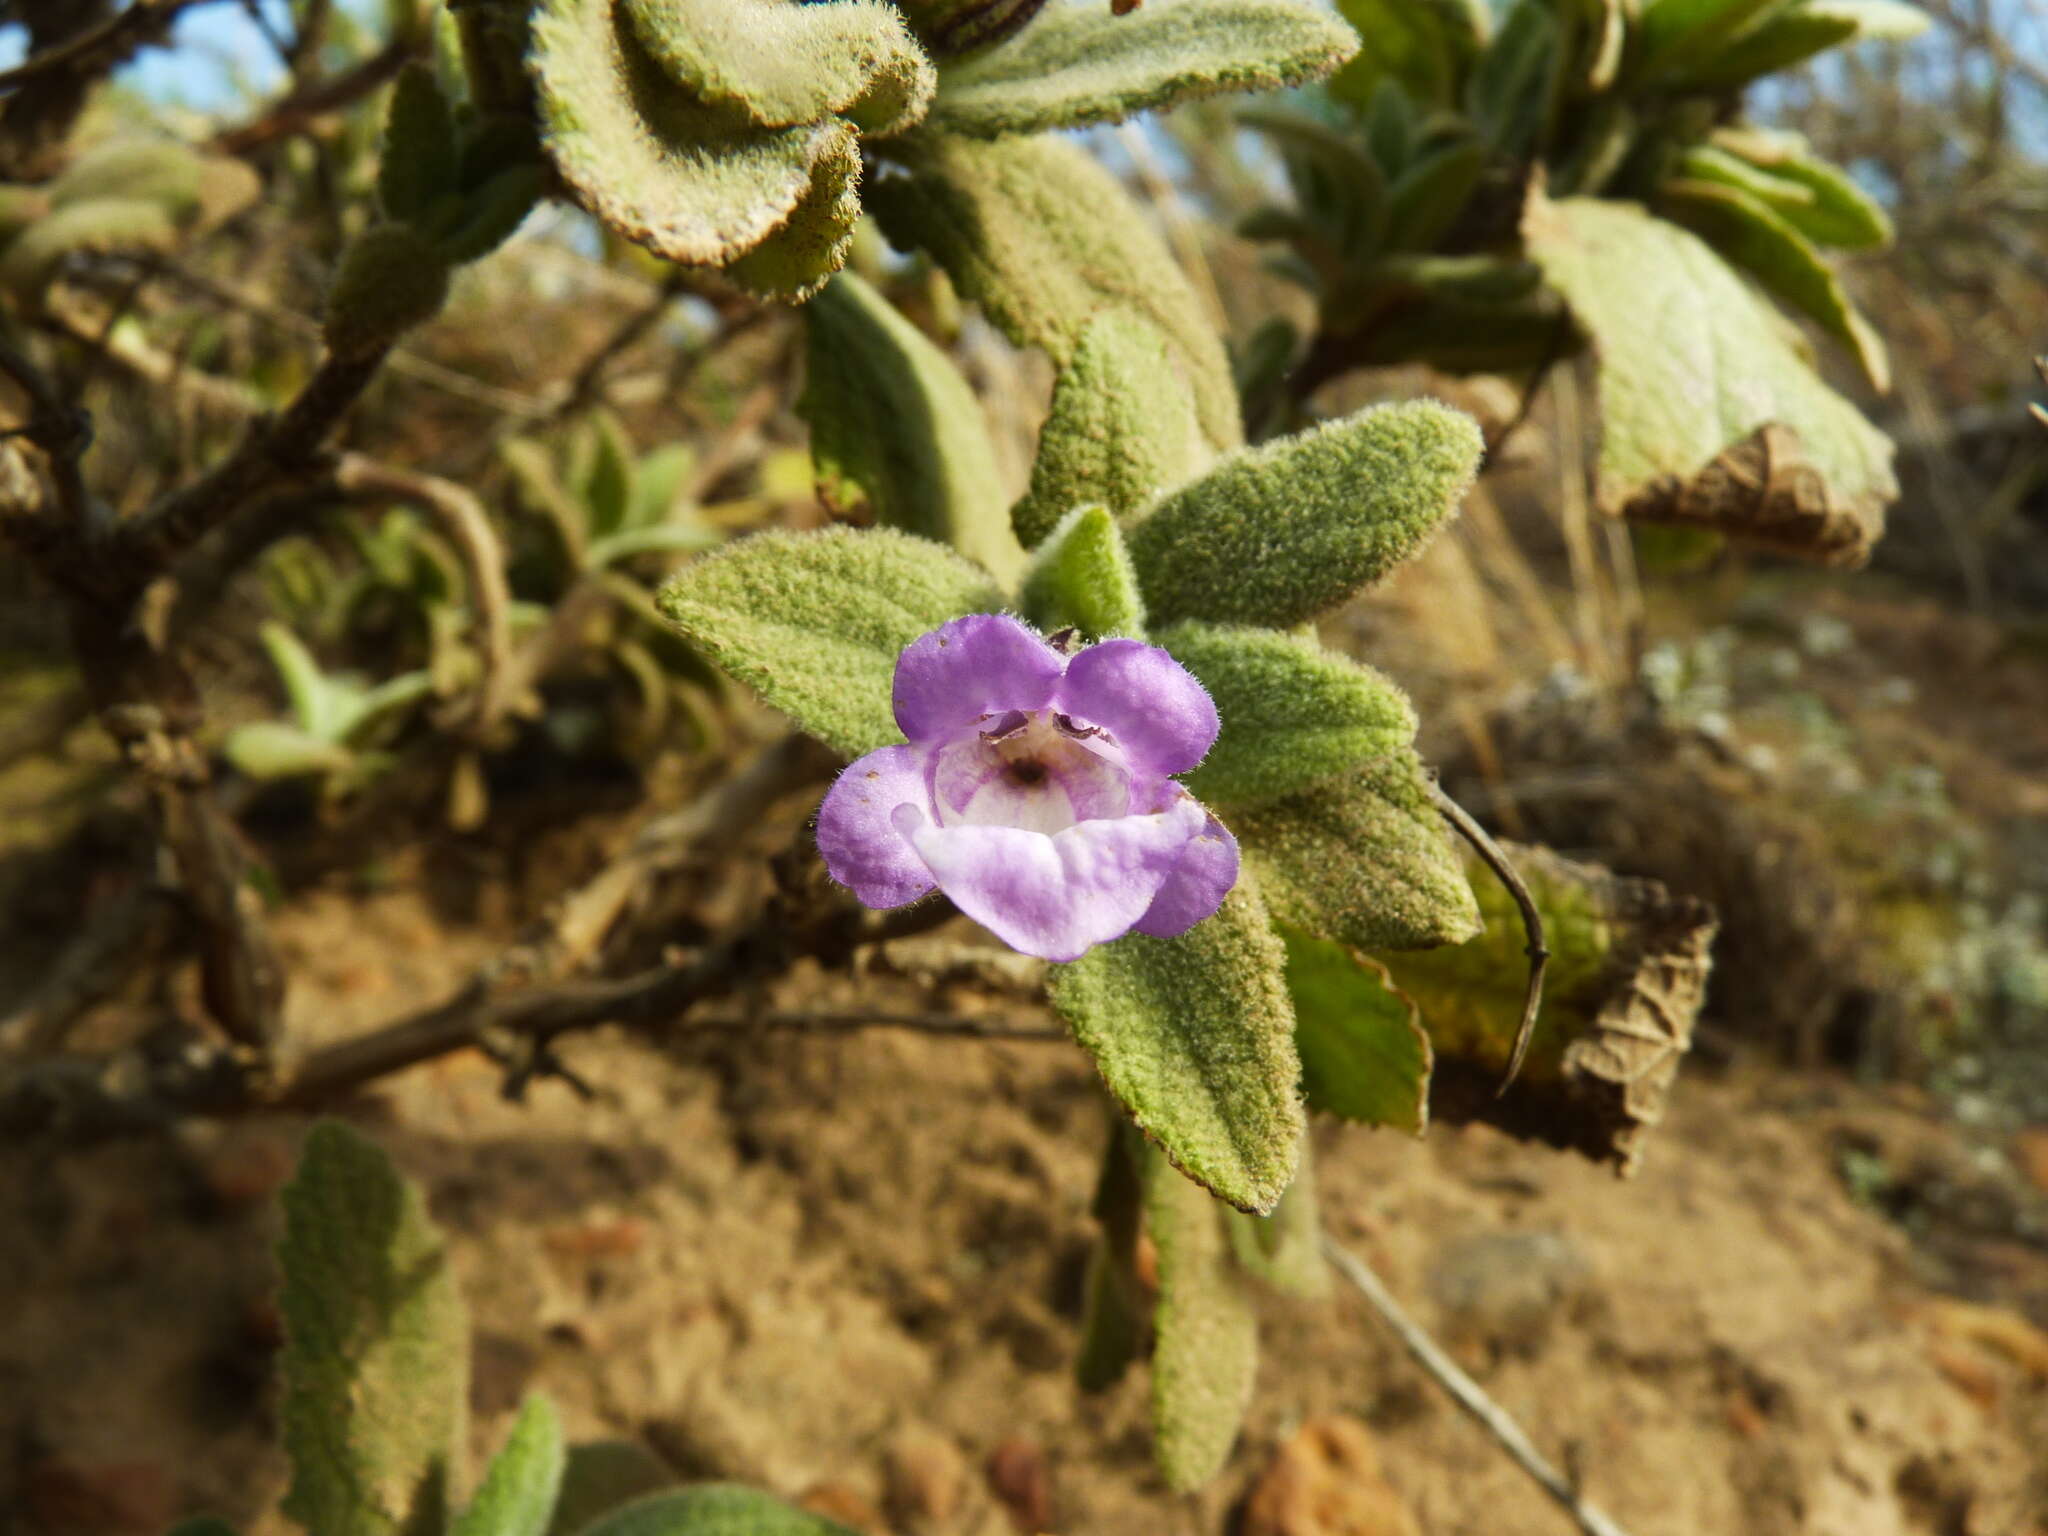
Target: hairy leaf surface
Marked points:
376	1351
1292	711
895	426
1042	237
1363	859
1081	65
1195	1037
1278	534
1207	1351
815	621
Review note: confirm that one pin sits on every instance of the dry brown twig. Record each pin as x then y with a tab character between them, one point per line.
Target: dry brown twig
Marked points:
1468	1394
463	519
1532	920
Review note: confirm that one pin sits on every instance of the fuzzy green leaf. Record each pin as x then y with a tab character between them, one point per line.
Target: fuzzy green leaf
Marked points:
1085	65
97	227
1795	34
715	1509
376	1351
391	279
418	166
1747	231
1195	1038
1207	1354
146	170
1042	237
1285	1249
482	220
608	483
795	261
601	1476
895	427
1292	712
1364	1053
1708	415
1834	211
815	621
1674	33
1278	534
1364	860
1340	186
1082	577
202	1525
1426	46
672	173
783	64
520	1487
1426	199
1121	430
271	749
1510	92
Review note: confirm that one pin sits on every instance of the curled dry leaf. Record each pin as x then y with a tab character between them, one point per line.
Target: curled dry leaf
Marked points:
1765	491
1628	974
1710	416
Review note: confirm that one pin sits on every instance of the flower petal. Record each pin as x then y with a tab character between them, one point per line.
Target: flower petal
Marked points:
978	665
1196	888
1058	896
1149	703
862	848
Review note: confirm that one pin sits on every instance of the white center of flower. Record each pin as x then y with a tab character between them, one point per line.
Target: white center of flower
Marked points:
1027	770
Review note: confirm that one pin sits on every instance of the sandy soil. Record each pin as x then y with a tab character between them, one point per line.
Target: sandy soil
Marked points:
806	1261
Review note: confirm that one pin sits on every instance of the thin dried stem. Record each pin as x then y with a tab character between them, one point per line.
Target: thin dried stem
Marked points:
1468	1394
463	519
1532	920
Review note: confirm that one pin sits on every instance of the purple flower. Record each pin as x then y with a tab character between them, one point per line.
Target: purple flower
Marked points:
1035	791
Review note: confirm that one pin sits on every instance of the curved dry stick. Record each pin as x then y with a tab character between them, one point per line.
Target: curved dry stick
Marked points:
1532	920
463	519
1468	1394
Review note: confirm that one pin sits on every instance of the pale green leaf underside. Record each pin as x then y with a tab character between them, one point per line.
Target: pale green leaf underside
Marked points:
1195	1037
784	64
1085	65
519	1489
1364	1053
1292	712
715	1509
1207	1351
376	1354
1691	362
1762	241
1121	430
1043	238
895	426
1275	535
670	173
815	621
1363	859
1082	577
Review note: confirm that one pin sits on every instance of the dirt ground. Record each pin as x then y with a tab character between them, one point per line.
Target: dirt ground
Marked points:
803	1261
849	1267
